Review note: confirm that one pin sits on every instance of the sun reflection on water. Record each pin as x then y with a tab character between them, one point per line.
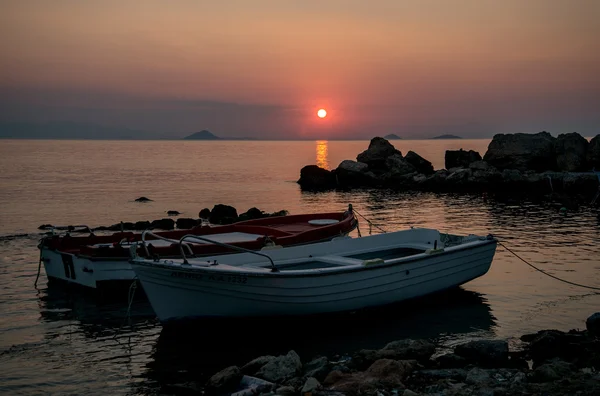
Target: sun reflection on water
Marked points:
322	159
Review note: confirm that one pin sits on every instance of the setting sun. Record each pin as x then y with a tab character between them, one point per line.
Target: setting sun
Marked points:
322	113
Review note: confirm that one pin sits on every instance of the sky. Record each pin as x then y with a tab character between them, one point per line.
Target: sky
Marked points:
262	68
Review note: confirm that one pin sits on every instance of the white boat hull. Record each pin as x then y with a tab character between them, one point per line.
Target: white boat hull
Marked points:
83	271
177	292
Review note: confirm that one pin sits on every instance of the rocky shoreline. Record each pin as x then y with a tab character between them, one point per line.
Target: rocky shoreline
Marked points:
219	215
531	163
549	362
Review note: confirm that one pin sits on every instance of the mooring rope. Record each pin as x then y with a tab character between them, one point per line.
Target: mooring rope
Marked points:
370	222
39	268
545	273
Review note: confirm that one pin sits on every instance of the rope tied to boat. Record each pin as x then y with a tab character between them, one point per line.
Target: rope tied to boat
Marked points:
40	245
371	224
545	273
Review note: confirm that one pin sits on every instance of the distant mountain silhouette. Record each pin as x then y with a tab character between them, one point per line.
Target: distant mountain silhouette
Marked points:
202	135
392	136
69	130
447	137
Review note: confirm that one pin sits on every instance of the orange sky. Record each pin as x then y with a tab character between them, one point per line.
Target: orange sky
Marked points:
263	68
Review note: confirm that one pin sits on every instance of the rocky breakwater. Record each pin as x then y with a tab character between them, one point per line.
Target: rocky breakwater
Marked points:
535	163
549	362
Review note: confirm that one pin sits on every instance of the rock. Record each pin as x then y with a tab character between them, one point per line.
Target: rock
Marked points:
479	165
522	151
313	177
451	360
458	178
477	376
421	164
223	214
592	324
251	386
141	225
453	374
279	213
420	350
487	353
377	153
519	378
224	381
254	365
579	183
186	223
143	199
460	158
391	372
204	213
571	152
593	154
548	344
286	391
408	392
310	385
353	174
333	377
163	224
45	227
173	213
397	165
251	214
552	371
281	368
317	368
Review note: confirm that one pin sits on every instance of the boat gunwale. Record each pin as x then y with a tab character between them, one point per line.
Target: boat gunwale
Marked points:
266	272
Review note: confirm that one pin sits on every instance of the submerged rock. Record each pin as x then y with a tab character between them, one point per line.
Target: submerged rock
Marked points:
143	199
186	223
163	224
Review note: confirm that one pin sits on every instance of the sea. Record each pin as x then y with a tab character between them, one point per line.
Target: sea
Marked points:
57	340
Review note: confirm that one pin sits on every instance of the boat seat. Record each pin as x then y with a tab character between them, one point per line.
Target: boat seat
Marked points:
339	260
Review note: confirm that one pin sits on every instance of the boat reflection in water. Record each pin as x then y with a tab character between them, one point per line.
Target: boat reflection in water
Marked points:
322	157
194	350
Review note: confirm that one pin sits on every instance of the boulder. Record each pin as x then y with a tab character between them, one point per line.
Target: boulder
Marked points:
571	152
313	177
522	151
310	385
383	373
204	213
460	158
223	214
398	165
281	368
224	381
141	225
379	150
163	224
487	353
552	371
420	350
317	368
421	164
256	364
186	223
593	154
354	174
478	376
480	165
251	214
592	324
451	360
579	183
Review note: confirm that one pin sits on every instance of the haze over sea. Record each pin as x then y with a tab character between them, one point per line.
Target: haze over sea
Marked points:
63	341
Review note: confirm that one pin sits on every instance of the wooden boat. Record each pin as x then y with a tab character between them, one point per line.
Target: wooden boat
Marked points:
343	274
95	260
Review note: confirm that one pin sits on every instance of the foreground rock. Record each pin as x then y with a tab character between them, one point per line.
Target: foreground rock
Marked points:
564	363
520	163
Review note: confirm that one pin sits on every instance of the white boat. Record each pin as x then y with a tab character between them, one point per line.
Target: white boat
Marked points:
344	274
97	261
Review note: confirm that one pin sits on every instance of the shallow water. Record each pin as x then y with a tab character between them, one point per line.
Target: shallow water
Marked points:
68	342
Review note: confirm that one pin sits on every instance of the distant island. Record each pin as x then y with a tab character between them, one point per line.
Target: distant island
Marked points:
202	135
447	137
392	136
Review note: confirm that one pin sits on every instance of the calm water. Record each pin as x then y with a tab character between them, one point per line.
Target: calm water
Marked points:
66	342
